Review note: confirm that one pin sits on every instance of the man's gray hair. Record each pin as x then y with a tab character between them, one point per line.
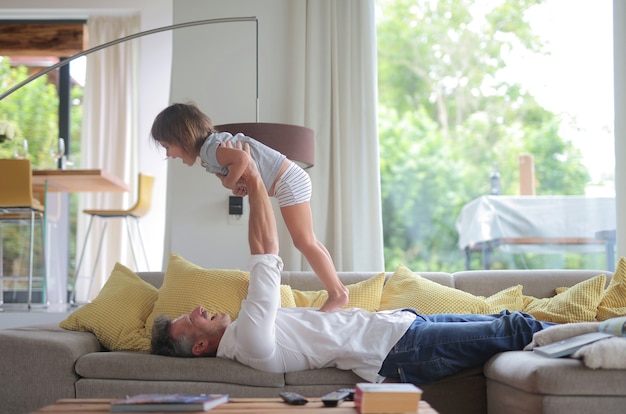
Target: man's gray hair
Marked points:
162	342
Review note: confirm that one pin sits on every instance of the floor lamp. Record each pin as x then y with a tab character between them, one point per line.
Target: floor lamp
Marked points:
296	142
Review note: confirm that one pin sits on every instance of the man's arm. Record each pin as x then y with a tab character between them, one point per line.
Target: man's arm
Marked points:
233	159
255	330
262	232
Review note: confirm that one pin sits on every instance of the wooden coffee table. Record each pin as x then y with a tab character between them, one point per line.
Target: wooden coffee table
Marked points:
234	406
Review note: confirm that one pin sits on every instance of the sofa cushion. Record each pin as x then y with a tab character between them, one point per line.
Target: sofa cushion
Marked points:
613	302
37	365
576	304
187	285
148	367
365	294
322	376
117	315
404	289
536	374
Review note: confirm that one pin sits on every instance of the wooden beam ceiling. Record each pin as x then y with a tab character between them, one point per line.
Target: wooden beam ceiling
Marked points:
42	39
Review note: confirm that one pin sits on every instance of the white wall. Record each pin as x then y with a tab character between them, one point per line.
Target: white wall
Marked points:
154	79
214	66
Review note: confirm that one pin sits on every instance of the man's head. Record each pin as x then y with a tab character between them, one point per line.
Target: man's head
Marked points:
197	333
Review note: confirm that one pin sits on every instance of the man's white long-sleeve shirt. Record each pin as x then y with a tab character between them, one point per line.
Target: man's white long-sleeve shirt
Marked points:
274	339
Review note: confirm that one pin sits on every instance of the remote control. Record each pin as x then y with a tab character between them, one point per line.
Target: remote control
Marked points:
333	398
293	398
350	397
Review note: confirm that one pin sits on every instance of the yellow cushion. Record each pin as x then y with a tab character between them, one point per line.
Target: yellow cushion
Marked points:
576	304
560	290
365	295
117	315
187	285
613	303
507	299
526	300
404	289
286	297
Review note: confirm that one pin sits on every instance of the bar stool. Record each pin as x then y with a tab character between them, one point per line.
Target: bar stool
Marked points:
140	209
17	205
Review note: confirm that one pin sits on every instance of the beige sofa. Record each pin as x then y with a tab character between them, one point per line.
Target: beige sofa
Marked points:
41	364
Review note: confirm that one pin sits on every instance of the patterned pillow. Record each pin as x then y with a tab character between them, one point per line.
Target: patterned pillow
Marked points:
187	285
404	289
613	303
117	315
508	299
365	295
576	304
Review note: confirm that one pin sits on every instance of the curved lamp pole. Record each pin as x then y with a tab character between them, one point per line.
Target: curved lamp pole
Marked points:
141	34
296	142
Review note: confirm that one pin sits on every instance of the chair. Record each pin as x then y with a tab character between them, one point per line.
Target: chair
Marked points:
140	209
17	205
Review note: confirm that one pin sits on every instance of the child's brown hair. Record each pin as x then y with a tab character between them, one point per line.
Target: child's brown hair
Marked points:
184	125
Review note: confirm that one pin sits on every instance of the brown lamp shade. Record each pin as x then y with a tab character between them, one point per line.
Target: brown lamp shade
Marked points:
296	142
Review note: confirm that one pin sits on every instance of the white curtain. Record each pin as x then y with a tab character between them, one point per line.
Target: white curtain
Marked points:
340	105
108	141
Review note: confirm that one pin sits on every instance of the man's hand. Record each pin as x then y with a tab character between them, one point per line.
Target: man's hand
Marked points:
235	160
262	233
250	171
240	189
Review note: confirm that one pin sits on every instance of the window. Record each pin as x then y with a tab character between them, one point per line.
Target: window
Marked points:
467	87
41	112
49	107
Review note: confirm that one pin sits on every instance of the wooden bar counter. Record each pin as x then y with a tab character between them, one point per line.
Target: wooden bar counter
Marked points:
78	181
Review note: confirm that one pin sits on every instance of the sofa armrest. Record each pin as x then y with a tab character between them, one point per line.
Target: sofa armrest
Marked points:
37	365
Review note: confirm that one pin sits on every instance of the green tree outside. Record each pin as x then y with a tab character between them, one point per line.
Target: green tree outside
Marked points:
33	111
445	120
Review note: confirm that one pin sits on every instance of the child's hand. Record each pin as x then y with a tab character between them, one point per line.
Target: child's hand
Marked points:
240	189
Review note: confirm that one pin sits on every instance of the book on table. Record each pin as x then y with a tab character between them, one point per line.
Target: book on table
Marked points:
168	402
372	398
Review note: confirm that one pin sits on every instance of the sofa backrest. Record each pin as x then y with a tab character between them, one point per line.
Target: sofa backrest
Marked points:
537	283
306	280
154	278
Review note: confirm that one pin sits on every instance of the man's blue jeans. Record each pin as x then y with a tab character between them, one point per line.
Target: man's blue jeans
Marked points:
436	346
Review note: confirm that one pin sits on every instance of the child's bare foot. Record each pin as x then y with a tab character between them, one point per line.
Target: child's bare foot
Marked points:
336	301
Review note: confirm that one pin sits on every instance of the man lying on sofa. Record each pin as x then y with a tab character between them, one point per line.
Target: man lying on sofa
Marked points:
402	344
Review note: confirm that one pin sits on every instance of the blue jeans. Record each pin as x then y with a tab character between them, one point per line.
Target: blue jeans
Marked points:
436	346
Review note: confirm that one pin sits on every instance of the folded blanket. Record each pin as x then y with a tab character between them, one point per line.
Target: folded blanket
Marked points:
607	353
559	332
